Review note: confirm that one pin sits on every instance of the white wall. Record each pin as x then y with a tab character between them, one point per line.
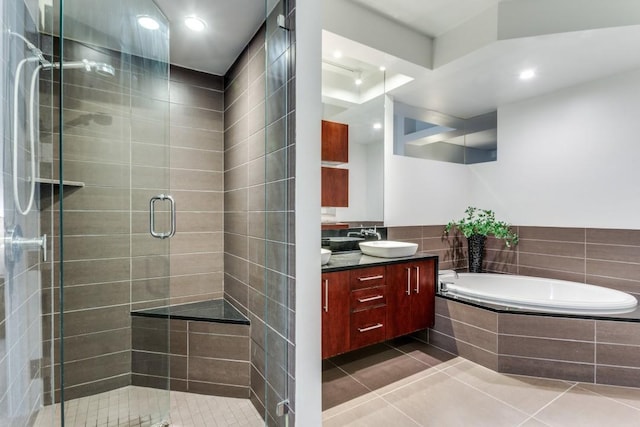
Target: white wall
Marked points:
419	191
365	184
308	393
571	158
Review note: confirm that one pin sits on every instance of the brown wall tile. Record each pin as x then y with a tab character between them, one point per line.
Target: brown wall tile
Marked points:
547	327
546	368
618	355
543	348
618	332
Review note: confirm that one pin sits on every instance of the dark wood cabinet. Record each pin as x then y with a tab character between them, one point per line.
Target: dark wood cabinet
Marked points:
335	313
335	142
335	187
364	306
411	288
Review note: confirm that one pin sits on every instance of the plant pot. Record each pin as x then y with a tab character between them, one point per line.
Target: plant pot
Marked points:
476	252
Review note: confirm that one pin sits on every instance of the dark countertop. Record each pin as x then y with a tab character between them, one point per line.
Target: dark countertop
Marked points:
341	261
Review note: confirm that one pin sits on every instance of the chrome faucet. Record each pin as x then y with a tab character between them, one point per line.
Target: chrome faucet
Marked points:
366	232
443	286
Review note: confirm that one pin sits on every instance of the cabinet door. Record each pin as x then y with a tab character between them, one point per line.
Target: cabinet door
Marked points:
335	187
411	290
399	285
335	313
422	294
335	142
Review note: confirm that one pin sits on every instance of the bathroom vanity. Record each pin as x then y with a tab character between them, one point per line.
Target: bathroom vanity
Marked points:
366	300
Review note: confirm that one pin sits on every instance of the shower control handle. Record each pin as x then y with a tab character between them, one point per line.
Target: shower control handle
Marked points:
152	216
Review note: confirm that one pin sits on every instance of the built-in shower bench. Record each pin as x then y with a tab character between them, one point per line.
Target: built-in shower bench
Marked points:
200	347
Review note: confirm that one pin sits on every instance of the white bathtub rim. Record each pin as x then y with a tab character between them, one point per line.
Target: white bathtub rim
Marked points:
621	302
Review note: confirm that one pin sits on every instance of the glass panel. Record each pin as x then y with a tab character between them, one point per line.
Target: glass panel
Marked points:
279	213
113	157
23	354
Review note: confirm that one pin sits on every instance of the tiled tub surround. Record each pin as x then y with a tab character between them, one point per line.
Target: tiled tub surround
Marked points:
574	349
588	350
208	350
604	257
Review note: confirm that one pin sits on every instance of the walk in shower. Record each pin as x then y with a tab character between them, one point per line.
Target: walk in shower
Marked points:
148	242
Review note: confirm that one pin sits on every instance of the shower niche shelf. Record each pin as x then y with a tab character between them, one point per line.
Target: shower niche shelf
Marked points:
65	183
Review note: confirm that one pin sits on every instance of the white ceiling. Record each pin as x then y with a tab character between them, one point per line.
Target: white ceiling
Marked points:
483	80
429	17
230	26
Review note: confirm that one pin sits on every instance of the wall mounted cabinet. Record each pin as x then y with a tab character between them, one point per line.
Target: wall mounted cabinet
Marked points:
335	142
335	187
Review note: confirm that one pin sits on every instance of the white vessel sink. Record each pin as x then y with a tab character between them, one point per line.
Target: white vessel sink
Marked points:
388	248
326	255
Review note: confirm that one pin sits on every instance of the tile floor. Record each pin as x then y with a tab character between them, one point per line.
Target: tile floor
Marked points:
409	383
145	407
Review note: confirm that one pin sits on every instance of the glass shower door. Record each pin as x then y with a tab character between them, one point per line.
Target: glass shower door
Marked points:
113	215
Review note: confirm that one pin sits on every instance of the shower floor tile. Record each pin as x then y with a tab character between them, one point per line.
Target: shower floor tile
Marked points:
144	407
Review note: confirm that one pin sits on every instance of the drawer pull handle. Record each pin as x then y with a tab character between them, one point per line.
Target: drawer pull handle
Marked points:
370	298
370	328
326	295
364	279
417	280
408	281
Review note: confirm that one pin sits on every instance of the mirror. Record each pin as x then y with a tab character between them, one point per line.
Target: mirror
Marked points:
353	94
428	134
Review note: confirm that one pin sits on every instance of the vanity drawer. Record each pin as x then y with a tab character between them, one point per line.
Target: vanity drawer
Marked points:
367	277
367	298
368	326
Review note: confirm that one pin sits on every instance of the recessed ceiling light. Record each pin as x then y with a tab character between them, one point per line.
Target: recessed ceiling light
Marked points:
383	68
377	126
527	74
358	81
145	21
194	23
337	54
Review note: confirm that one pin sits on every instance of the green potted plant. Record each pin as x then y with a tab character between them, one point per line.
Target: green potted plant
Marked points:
476	226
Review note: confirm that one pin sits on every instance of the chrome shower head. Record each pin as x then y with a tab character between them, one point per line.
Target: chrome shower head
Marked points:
100	68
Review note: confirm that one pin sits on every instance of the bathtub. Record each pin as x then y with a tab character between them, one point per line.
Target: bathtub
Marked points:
535	294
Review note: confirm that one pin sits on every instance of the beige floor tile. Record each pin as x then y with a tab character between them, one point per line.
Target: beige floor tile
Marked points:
532	422
338	387
374	413
382	367
525	393
425	353
581	407
350	404
439	400
627	395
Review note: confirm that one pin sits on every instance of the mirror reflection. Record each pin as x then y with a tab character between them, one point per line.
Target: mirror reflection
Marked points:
428	134
353	98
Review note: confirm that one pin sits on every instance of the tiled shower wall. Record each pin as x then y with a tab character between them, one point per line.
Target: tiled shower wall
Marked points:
605	257
116	134
259	183
21	347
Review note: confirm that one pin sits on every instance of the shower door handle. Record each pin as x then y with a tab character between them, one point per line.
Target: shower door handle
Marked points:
152	216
